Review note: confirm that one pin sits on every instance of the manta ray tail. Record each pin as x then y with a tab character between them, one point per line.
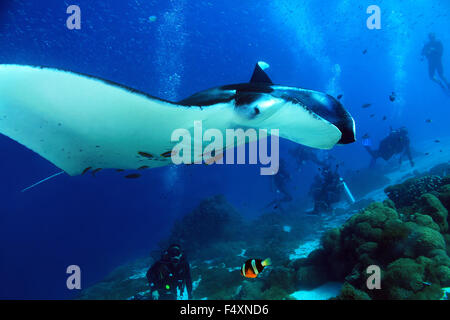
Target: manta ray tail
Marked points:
43	180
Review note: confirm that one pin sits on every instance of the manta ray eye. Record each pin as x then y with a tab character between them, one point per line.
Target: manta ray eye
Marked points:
257	111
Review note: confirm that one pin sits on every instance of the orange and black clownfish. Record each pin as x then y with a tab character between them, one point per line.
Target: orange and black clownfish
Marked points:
253	267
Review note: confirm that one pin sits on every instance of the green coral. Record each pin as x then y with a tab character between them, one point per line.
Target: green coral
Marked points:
430	205
444	196
349	292
424	239
406	193
408	275
406	236
425	221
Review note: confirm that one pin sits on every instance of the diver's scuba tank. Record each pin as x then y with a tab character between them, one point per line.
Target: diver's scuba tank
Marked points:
347	190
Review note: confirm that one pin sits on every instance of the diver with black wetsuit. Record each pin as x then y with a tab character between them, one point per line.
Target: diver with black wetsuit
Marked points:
397	142
172	271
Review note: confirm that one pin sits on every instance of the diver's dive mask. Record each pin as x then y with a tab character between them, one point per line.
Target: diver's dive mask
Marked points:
175	254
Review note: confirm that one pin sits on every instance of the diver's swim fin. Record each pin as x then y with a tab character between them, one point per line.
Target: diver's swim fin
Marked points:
43	180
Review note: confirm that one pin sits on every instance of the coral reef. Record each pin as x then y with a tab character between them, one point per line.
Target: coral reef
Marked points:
406	193
217	241
213	220
442	169
406	236
124	282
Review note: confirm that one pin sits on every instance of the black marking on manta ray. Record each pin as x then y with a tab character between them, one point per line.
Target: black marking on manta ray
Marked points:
249	87
167	154
95	171
225	94
246	98
145	154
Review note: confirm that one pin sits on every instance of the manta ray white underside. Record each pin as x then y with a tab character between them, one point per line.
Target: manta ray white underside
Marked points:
79	122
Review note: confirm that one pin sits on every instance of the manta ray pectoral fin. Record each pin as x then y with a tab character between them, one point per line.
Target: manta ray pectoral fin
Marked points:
78	122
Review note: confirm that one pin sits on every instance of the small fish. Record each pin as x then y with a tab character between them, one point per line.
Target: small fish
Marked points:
384	117
392	97
143	167
428	121
132	176
427	153
253	267
364	51
366	136
339	97
119	170
437	141
372	115
366	105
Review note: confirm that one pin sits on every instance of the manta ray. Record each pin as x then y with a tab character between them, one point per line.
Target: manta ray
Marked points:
80	122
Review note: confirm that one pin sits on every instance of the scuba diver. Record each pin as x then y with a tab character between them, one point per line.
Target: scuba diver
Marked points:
172	271
397	142
278	185
302	154
433	50
326	189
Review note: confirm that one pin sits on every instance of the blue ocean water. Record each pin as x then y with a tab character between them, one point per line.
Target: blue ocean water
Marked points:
100	222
